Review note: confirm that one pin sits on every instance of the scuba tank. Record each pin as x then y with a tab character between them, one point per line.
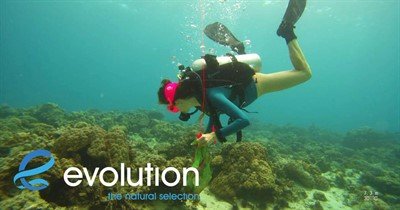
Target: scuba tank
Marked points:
235	71
253	60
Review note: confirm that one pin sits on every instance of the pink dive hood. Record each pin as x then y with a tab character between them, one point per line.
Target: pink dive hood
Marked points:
169	94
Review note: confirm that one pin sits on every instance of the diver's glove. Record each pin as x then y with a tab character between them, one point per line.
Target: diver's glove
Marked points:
285	30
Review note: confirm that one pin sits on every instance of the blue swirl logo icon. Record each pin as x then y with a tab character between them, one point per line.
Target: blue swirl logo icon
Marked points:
34	184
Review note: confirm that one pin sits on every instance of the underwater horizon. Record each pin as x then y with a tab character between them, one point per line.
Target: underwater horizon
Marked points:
112	55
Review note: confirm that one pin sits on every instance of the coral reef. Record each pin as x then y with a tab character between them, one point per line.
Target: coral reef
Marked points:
48	113
319	196
6	111
245	173
275	167
368	138
26	200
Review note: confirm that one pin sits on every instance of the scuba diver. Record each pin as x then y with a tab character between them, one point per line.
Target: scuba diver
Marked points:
217	86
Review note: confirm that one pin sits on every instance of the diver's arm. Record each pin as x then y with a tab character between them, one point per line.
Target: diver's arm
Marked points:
272	82
241	120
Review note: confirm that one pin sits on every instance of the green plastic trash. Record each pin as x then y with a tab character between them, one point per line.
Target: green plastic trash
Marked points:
202	161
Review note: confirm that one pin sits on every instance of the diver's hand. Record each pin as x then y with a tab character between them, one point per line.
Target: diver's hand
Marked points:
207	138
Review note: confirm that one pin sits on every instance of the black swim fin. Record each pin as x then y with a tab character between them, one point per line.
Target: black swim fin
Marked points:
218	32
293	13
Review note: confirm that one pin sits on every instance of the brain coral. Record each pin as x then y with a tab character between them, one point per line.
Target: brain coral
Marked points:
76	138
245	173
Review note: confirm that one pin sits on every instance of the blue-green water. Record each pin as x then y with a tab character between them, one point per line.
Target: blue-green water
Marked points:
112	55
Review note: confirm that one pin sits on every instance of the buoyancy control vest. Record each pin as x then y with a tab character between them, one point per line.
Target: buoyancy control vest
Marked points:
235	75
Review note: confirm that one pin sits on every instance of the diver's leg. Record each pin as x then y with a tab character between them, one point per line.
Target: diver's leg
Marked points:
272	82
